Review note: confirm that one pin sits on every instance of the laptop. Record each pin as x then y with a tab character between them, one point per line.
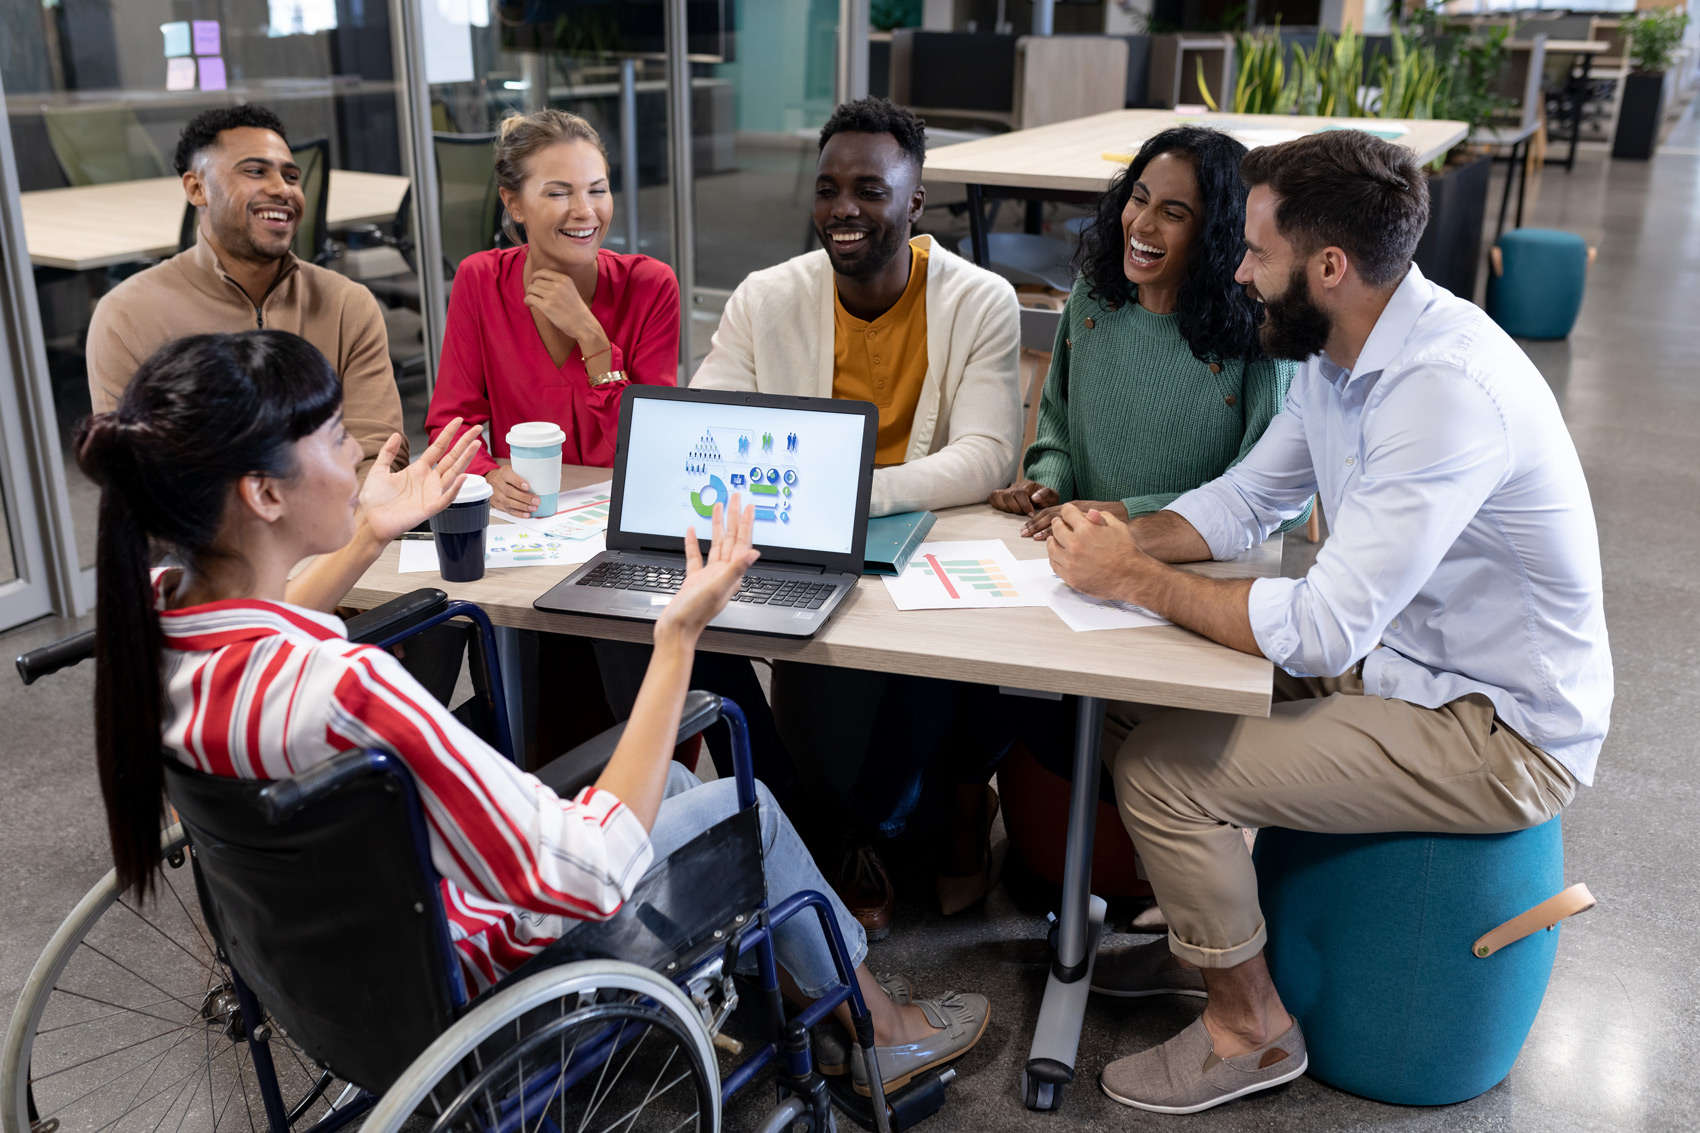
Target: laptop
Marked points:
806	463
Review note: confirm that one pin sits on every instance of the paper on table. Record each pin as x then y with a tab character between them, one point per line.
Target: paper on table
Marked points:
1265	136
506	548
1081	612
579	514
418	555
965	574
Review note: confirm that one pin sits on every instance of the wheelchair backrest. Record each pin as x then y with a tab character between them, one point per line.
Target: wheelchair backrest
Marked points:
321	893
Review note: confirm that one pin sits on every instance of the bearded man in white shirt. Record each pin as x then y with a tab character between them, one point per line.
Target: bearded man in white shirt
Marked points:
1443	666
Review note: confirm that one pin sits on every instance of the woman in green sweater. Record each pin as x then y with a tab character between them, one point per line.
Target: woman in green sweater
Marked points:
1157	384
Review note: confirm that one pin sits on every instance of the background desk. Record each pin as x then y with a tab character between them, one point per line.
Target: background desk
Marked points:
1066	160
1024	648
96	226
1575	90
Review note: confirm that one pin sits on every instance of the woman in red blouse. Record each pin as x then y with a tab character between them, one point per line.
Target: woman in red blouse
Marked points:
554	329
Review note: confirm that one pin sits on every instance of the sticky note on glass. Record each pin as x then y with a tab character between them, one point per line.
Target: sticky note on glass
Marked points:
176	39
206	36
212	72
180	74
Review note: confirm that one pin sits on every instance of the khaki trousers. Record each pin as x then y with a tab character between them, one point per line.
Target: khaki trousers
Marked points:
1328	759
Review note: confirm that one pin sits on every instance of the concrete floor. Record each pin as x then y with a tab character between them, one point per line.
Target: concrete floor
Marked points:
1615	1045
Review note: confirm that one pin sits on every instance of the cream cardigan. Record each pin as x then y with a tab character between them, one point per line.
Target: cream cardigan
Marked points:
776	336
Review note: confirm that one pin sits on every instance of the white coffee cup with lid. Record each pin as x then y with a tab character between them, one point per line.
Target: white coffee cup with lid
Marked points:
535	449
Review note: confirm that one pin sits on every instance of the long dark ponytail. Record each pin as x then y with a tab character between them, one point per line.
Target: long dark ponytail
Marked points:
199	415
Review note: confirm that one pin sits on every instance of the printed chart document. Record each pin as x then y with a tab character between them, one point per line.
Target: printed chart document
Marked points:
580	514
966	574
576	533
1081	611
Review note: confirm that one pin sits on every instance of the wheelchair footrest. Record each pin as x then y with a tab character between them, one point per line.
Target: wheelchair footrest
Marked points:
920	1099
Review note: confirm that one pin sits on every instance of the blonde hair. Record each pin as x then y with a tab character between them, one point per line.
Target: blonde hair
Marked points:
523	135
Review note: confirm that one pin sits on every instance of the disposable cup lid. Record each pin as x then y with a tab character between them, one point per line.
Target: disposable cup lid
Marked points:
536	434
474	489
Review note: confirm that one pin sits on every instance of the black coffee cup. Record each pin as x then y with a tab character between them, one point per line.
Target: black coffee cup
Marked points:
459	530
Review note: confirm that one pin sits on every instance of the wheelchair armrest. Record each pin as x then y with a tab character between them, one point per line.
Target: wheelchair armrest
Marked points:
571	773
395	615
38	663
283	797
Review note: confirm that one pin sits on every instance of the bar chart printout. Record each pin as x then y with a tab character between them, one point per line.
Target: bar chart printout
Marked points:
962	574
971	575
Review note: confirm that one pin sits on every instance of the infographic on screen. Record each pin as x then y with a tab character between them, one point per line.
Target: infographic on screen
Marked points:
797	467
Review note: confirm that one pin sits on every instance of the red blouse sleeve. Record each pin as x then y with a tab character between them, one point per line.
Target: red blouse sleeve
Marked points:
462	386
653	357
645	345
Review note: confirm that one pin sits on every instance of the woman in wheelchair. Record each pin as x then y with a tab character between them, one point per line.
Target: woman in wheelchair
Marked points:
229	452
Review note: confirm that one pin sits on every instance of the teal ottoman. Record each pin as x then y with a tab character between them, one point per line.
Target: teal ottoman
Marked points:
1535	289
1374	942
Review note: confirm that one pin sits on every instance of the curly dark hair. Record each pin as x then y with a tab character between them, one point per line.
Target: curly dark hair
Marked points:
880	116
204	128
1215	315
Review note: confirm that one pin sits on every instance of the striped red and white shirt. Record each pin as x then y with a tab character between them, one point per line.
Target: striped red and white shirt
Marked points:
265	690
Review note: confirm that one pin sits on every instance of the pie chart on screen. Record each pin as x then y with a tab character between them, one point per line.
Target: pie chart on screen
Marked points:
703	501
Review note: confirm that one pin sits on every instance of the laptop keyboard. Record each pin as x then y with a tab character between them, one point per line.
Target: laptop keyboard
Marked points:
754	591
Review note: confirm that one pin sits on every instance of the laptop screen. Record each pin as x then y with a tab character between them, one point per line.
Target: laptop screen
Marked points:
799	467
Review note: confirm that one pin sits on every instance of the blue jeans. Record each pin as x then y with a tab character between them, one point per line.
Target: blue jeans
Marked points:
692	806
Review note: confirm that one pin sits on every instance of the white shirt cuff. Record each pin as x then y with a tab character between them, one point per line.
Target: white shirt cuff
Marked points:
1270	607
1214	520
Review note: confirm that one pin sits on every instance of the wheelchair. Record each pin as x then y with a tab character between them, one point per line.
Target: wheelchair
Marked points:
294	970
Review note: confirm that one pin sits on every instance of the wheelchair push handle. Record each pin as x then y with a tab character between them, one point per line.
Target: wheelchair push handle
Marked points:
49	659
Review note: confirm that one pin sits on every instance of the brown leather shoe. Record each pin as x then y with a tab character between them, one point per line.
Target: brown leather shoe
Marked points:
865	888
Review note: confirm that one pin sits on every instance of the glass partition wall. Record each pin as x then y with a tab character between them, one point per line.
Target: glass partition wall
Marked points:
97	91
763	75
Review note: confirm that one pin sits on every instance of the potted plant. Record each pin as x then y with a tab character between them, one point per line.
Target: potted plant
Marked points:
1654	38
1415	79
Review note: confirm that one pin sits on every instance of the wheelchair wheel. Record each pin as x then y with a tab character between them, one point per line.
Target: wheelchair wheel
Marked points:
128	1021
593	1046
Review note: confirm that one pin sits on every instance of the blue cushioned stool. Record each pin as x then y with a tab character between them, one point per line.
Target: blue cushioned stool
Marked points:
1535	289
1373	942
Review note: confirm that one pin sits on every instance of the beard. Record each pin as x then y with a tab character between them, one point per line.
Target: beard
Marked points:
230	227
1294	327
883	247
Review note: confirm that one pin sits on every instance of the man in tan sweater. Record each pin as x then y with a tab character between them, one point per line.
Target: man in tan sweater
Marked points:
239	173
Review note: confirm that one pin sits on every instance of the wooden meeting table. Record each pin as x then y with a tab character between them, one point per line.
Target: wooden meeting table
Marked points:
1067	161
121	222
1030	649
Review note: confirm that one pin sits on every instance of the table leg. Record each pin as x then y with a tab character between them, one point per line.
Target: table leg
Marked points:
1522	172
1505	197
977	226
1034	222
1580	104
1056	1037
516	650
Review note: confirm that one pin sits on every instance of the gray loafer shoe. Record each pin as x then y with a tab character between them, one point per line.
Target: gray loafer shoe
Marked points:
1136	970
830	1043
961	1018
1184	1075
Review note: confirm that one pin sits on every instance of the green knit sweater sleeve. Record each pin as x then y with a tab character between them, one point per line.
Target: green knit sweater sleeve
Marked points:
1048	459
1266	384
1151	501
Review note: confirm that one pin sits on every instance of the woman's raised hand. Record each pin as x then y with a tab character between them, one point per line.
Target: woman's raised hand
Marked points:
393	502
711	582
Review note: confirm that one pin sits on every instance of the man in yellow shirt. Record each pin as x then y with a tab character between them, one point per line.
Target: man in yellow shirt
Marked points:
886	316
